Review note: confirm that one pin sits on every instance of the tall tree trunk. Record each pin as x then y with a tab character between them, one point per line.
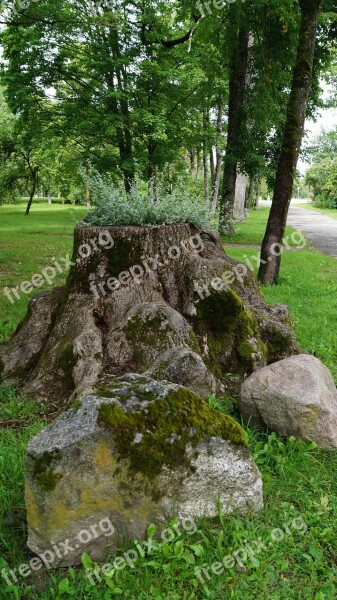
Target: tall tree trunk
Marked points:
258	193
240	197
205	153
198	163
212	166
34	178
237	83
116	81
49	189
87	187
217	177
151	167
30	202
32	193
191	154
293	134
250	192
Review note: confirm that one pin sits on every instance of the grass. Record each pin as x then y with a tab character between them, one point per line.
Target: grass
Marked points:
331	212
28	245
251	232
300	481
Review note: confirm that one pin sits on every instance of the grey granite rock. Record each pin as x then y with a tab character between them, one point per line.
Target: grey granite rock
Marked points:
296	396
136	452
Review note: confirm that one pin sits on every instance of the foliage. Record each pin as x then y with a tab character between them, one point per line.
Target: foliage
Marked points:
153	206
115	84
322	175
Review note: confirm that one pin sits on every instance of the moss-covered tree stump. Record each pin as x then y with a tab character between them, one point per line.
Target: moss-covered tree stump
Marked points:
146	303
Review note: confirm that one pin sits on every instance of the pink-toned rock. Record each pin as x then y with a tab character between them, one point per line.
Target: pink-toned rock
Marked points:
295	396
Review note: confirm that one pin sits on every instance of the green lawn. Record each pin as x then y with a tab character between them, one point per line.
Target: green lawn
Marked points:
300	481
28	245
331	212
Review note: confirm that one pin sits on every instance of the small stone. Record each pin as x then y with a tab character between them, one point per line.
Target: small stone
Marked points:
241	568
138	438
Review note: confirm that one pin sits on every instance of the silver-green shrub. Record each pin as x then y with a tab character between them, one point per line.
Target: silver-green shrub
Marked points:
150	206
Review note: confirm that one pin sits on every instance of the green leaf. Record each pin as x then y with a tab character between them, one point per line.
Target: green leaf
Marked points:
198	549
151	530
63	586
87	562
179	548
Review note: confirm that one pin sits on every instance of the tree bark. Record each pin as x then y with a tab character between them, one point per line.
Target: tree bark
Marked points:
212	166
218	168
34	179
258	194
117	83
292	139
87	187
237	84
205	158
250	192
198	164
191	154
30	202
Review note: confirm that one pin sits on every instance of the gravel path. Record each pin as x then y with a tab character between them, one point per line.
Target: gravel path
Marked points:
319	228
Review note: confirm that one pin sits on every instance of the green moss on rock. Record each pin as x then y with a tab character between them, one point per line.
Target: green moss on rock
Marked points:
160	431
44	471
229	327
146	332
278	345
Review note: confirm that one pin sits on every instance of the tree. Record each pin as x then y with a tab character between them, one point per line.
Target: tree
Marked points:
238	64
18	156
322	174
292	139
123	65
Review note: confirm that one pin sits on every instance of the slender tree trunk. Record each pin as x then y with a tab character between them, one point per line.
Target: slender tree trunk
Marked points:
258	193
212	166
191	154
31	197
34	177
293	134
237	83
87	187
116	81
250	192
49	189
205	153
198	164
218	169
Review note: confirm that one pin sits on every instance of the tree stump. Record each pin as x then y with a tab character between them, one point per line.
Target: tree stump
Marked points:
166	301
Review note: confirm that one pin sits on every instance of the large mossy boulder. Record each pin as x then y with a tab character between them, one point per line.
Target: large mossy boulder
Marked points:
150	299
136	452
